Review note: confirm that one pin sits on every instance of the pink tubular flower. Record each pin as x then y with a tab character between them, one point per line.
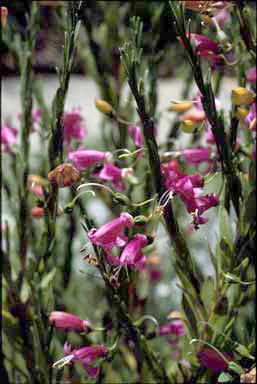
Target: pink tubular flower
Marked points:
250	119
175	327
131	254
64	320
211	359
251	75
73	126
8	137
84	158
136	135
111	233
86	355
111	172
206	48
196	155
222	17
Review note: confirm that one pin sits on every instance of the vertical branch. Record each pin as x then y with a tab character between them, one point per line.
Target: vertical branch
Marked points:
57	130
25	65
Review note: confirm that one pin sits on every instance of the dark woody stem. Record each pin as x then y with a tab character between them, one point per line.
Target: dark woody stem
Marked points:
233	184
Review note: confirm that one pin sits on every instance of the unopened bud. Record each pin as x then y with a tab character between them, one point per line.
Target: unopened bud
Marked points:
241	114
104	107
38	212
241	95
182	106
64	175
187	126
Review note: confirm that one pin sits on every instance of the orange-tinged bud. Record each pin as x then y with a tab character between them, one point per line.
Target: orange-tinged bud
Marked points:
241	114
38	212
187	126
154	260
64	175
249	377
181	106
104	107
4	14
241	95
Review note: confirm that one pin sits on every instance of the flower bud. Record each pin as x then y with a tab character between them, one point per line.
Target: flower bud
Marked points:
241	114
104	107
187	126
241	96
4	14
64	175
182	106
37	212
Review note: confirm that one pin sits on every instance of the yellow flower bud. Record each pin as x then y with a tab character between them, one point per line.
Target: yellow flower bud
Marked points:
241	114
64	175
175	315
4	14
187	126
181	106
241	96
104	107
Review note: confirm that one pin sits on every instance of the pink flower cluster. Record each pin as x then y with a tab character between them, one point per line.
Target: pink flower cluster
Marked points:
189	188
112	234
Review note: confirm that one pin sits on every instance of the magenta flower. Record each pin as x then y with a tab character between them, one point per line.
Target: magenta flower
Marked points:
132	255
175	327
206	48
136	135
196	155
250	119
111	233
86	355
212	360
73	126
84	158
251	75
8	137
114	174
64	320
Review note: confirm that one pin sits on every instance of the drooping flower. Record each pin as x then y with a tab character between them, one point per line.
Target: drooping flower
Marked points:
136	135
65	320
114	174
175	327
74	127
132	255
153	267
206	7
84	158
86	356
64	175
8	137
212	360
251	75
206	48
111	233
